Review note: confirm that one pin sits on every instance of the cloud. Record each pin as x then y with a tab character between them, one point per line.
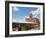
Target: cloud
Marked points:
15	9
36	13
19	20
14	20
26	16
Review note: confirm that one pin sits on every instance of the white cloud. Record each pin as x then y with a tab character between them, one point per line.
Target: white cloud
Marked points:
26	16
15	9
19	21
14	20
36	13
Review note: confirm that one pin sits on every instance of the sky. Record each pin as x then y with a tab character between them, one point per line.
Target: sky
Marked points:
19	13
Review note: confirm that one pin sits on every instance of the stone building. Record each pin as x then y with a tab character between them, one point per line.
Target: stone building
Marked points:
31	23
32	19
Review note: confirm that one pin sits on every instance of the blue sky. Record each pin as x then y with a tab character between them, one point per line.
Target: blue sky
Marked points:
18	13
